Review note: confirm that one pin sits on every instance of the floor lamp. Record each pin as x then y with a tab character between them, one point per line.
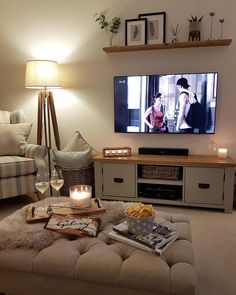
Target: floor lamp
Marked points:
44	75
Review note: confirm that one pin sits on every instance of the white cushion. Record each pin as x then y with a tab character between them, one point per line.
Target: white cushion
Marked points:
75	160
5	117
78	144
13	138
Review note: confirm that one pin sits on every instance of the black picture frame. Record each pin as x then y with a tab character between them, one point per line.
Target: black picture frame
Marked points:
135	31
156	27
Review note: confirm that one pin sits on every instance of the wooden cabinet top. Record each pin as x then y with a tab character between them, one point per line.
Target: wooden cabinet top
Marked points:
195	160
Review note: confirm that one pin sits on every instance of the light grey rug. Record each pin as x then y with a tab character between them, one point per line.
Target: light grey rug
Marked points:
15	232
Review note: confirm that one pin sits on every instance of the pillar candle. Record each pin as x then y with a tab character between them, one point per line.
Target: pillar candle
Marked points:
222	153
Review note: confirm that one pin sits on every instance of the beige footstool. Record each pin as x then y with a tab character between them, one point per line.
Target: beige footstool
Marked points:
101	266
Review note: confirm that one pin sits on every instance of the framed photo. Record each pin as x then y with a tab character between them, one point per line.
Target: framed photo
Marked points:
156	27
136	31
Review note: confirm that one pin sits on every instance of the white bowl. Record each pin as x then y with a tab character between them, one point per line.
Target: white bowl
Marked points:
140	226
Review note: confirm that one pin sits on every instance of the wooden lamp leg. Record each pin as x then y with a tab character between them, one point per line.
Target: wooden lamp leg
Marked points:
46	109
54	121
40	118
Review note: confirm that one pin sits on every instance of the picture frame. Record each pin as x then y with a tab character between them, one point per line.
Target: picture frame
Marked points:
135	31
156	27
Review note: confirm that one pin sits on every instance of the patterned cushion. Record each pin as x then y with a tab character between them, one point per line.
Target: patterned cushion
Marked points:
11	166
16	186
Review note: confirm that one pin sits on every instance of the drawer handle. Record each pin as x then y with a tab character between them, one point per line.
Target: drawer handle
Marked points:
118	180
204	185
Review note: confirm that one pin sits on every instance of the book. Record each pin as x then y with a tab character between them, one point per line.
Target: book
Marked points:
157	241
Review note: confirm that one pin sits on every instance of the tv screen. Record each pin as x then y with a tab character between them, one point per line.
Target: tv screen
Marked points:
169	103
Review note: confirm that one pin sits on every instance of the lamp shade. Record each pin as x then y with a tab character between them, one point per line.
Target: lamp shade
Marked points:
41	74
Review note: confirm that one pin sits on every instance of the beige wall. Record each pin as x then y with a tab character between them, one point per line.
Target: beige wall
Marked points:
65	31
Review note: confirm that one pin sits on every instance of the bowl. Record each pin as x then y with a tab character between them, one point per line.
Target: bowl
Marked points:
140	226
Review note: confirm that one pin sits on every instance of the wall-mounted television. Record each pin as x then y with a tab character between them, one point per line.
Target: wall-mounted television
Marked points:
163	103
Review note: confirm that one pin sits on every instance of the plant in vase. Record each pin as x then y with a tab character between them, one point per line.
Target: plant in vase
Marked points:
111	27
194	28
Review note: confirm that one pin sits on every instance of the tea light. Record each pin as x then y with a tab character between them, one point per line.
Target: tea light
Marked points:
81	195
222	153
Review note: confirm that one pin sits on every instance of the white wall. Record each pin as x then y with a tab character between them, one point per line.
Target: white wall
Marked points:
65	31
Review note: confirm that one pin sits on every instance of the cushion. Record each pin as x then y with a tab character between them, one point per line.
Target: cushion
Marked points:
13	138
18	117
4	117
78	144
75	160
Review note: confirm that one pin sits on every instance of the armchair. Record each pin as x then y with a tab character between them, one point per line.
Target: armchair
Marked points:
19	160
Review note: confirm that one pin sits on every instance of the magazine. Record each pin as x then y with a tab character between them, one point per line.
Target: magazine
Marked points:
157	241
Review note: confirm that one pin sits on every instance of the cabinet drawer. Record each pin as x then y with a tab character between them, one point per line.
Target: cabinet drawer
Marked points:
119	180
204	185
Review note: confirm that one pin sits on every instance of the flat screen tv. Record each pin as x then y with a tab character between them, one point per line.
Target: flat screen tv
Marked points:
168	103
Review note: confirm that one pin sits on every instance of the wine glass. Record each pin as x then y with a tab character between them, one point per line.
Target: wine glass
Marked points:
57	180
42	182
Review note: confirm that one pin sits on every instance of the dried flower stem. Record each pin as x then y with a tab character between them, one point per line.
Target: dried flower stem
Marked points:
212	13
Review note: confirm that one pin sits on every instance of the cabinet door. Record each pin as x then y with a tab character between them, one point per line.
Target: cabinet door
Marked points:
119	180
204	185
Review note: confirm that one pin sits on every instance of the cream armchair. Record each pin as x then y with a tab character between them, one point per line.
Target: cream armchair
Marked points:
19	161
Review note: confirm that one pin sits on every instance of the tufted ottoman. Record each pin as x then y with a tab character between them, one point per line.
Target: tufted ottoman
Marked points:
101	266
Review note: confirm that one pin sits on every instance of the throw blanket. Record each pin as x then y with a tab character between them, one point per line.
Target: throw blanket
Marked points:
15	232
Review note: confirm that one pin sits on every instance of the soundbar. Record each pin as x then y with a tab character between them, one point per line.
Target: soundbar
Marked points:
163	151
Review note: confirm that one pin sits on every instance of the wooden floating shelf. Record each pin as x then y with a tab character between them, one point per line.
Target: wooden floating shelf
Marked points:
193	44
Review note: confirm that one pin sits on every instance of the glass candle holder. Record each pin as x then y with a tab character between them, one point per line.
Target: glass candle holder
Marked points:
222	153
80	195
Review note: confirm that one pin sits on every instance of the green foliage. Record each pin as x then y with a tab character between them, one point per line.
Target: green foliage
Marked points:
194	19
101	19
111	27
115	25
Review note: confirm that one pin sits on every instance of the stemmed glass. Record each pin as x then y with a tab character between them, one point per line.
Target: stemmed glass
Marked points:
57	180
42	182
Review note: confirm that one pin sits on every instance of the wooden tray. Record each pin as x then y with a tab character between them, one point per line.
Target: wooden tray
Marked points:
37	214
41	213
65	208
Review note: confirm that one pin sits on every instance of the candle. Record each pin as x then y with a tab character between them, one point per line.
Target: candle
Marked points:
81	195
222	153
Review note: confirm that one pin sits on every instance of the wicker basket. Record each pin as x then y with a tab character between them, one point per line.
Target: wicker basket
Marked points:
160	172
77	176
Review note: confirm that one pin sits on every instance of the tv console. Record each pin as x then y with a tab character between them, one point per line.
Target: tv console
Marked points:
199	181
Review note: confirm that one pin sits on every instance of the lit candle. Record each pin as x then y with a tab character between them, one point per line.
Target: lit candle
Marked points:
81	195
222	153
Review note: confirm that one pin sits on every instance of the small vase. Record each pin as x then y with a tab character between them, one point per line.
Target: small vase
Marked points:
110	37
174	39
194	31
